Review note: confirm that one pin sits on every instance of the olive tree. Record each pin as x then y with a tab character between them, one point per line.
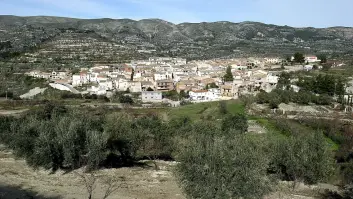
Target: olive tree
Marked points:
304	158
223	167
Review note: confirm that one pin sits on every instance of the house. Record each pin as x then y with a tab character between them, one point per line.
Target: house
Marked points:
76	80
102	77
213	94
160	76
311	59
107	85
272	79
308	67
165	85
121	84
59	75
272	60
227	91
185	85
135	87
199	95
205	95
146	84
151	96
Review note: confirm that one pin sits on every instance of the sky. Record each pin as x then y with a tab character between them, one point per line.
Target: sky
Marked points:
297	13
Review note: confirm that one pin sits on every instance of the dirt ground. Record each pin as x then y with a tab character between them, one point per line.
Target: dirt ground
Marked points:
17	180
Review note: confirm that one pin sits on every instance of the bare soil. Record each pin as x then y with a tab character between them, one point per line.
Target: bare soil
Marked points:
17	180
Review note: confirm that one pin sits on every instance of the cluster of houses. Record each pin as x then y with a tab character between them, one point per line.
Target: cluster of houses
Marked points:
202	80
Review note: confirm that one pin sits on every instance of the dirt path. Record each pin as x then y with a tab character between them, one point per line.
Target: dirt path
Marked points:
139	182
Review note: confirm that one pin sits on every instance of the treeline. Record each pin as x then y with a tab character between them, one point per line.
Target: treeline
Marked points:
54	137
318	90
218	159
278	96
322	84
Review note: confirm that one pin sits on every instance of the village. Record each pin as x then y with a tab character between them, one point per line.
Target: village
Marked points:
200	81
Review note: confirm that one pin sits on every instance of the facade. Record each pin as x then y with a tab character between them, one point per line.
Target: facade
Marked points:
272	60
311	59
151	96
165	85
227	91
205	95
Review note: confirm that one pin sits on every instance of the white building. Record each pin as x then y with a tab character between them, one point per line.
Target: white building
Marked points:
151	96
308	67
76	80
213	94
107	85
160	76
272	60
311	59
271	79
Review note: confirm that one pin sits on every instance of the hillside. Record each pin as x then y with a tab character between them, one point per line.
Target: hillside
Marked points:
135	39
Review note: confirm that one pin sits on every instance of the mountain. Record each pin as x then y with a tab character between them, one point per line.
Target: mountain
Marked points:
125	39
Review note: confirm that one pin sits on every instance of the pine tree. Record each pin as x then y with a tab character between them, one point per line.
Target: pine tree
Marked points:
228	77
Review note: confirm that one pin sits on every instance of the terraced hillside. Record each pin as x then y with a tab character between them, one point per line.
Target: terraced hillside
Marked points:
104	39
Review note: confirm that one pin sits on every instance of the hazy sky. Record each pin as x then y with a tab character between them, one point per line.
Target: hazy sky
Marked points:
299	13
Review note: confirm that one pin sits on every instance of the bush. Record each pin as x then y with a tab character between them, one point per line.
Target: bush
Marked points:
274	100
223	168
125	99
305	158
236	122
223	107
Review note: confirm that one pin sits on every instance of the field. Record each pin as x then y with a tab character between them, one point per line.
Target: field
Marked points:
204	110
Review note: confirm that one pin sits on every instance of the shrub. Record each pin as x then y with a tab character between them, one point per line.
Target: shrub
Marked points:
223	168
304	158
125	99
236	122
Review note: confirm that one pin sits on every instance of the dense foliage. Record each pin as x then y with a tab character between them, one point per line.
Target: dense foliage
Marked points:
225	167
228	77
218	159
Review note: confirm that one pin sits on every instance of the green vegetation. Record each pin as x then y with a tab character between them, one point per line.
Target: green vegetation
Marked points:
323	58
318	89
224	167
212	85
218	159
299	58
228	77
208	111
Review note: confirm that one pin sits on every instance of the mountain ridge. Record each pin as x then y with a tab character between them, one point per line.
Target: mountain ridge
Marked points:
190	40
186	22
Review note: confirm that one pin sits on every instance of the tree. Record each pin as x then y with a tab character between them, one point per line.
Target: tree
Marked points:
288	58
274	100
228	77
304	97
223	168
223	107
299	58
132	75
125	99
284	81
236	122
212	85
304	158
183	94
322	58
262	97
